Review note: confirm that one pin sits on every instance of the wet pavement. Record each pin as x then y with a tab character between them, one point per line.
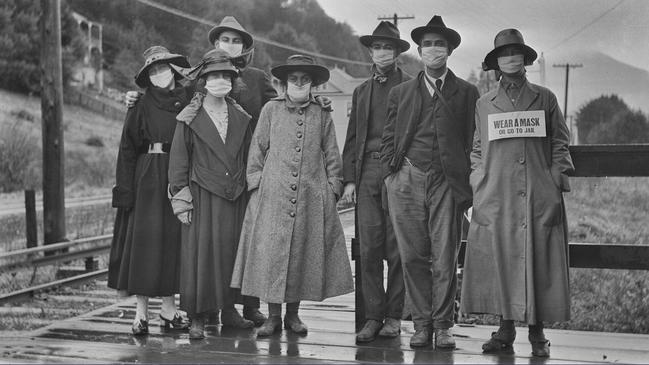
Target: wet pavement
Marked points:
104	336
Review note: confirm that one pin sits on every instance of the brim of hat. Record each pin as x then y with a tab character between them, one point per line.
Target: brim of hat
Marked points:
491	59
367	40
319	74
214	33
176	59
215	67
451	36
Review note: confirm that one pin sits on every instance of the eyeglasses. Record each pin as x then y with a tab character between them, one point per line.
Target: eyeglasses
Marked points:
378	47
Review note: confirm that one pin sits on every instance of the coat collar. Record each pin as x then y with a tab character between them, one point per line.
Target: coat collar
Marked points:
529	94
449	88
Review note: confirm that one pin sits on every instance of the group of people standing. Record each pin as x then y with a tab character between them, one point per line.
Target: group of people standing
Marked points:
226	192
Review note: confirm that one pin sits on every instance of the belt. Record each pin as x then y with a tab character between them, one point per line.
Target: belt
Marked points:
374	155
156	147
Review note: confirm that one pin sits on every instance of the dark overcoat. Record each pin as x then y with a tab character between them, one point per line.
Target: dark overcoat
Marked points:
357	128
207	176
254	89
145	251
454	129
517	252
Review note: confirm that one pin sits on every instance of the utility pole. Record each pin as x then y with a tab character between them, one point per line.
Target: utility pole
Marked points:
567	66
52	115
395	18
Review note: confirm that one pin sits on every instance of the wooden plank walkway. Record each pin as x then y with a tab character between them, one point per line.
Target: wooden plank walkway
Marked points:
103	336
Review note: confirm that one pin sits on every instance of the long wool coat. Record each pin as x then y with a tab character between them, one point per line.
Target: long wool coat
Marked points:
208	177
292	246
517	253
145	252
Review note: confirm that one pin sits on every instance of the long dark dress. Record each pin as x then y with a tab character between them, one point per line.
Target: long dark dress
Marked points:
145	252
210	177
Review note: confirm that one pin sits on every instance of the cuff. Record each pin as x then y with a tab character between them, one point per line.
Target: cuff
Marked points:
182	201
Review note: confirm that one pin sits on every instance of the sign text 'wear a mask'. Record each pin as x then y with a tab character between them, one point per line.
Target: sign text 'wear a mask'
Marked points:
529	123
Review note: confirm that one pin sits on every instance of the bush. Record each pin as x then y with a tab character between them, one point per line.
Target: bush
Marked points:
19	154
89	169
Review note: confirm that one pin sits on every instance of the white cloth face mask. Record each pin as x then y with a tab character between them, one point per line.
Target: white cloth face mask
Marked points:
162	79
218	87
434	56
234	49
298	93
511	64
383	58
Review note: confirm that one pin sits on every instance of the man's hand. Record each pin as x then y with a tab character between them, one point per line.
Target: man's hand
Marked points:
185	217
131	98
324	102
349	194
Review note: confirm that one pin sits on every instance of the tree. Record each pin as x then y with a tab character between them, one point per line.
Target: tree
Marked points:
596	112
485	81
129	60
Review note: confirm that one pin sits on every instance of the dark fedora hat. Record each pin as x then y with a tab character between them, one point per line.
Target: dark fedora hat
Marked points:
385	31
319	74
506	38
216	60
230	23
158	54
436	25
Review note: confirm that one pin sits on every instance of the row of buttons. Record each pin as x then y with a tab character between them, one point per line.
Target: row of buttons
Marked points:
298	149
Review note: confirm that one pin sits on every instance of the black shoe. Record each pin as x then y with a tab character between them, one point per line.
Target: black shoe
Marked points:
271	325
254	315
176	323
500	342
369	331
422	337
140	328
293	322
231	318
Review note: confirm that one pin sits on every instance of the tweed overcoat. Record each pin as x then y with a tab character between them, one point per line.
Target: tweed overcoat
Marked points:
454	130
207	176
357	128
292	245
517	253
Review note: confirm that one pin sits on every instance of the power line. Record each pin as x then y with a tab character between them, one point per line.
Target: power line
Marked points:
586	25
257	38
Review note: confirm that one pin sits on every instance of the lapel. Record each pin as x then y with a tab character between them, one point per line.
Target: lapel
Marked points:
364	98
237	127
415	103
529	94
450	88
500	100
206	131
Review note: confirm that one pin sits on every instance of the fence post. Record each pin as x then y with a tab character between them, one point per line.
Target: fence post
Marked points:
31	228
359	301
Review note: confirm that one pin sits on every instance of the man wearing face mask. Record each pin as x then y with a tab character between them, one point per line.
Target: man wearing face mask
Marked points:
364	185
425	151
517	253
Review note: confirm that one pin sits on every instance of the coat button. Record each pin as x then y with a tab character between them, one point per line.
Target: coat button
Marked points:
177	105
298	149
292	214
299	134
294	173
522	194
300	122
524	225
293	187
300	112
293	200
521	160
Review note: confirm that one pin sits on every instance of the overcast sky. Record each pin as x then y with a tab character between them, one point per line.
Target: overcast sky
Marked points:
548	26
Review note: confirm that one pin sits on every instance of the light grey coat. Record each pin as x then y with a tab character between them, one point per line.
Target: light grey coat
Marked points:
292	246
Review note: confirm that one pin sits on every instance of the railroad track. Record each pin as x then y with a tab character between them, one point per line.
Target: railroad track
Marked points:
18	207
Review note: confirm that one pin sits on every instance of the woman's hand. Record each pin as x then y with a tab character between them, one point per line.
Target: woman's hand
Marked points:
131	98
349	194
185	217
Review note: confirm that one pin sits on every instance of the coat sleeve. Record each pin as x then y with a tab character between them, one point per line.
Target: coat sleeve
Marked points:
258	149
124	189
387	140
560	139
349	150
178	173
473	96
332	160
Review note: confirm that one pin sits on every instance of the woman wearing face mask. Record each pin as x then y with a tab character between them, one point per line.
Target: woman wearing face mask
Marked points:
145	255
207	185
292	246
516	263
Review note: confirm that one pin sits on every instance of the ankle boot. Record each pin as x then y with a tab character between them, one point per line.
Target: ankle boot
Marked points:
197	328
271	325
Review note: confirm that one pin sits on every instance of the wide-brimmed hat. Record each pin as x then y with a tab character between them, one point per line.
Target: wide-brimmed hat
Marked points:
385	31
505	38
158	54
216	60
436	25
230	23
319	74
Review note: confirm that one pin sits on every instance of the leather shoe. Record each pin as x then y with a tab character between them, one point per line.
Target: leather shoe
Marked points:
254	315
391	328
271	325
444	339
231	318
540	345
197	328
421	338
500	342
293	322
369	331
178	322
140	328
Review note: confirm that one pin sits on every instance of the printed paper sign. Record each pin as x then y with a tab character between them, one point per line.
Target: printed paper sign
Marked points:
530	123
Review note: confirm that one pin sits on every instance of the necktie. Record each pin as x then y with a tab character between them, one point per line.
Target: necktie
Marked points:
438	83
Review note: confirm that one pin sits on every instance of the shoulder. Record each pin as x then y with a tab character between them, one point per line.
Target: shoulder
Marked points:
541	90
488	96
238	108
463	84
253	73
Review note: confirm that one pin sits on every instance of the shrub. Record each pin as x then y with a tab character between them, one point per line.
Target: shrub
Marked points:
89	169
19	153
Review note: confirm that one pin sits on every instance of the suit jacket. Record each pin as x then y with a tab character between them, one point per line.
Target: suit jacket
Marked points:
357	128
454	129
254	91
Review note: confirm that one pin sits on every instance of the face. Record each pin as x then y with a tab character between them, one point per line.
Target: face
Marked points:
433	40
510	50
379	45
228	37
158	68
217	75
298	78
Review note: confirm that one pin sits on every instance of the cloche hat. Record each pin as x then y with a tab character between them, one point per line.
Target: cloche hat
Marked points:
216	60
505	38
319	74
158	54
